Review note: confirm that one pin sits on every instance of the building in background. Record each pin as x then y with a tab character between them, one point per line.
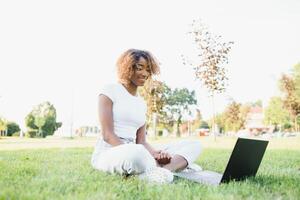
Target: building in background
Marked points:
255	121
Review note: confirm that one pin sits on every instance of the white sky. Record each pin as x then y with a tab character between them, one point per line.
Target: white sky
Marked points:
62	50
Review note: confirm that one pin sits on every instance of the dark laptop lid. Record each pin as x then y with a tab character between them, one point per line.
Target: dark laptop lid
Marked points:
245	159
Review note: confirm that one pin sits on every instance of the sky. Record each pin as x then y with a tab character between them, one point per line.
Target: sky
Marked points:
65	51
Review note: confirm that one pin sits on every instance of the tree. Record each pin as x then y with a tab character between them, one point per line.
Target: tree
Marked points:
232	114
290	87
177	103
41	121
29	121
244	111
213	55
154	93
204	125
234	117
275	113
296	78
12	128
3	125
220	120
197	121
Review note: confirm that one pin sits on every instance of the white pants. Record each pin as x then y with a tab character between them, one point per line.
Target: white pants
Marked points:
130	158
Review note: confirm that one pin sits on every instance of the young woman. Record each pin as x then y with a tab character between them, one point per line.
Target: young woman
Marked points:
123	148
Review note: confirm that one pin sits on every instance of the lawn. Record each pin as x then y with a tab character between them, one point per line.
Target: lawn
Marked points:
65	173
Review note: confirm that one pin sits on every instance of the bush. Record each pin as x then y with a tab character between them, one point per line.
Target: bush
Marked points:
287	126
16	134
42	117
160	133
12	128
31	133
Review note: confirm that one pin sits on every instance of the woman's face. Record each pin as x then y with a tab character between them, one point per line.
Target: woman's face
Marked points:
141	72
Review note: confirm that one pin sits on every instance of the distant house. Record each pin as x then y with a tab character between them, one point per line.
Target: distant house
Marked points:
88	131
255	120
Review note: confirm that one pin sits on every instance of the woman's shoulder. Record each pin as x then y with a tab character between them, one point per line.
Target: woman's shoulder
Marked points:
110	90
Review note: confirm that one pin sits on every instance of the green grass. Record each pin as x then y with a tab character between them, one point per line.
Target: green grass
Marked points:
67	174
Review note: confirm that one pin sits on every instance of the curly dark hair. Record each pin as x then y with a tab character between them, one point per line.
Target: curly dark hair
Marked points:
129	58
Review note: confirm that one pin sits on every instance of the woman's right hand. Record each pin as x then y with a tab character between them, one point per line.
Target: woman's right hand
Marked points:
162	157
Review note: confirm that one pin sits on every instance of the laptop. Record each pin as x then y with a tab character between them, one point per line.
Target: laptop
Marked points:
243	162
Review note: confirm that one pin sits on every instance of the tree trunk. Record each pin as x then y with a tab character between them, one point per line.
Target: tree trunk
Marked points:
213	117
178	122
295	124
154	119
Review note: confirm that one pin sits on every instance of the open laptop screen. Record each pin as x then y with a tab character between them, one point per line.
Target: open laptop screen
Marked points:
245	159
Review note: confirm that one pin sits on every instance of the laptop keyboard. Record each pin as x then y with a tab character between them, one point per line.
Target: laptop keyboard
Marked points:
205	177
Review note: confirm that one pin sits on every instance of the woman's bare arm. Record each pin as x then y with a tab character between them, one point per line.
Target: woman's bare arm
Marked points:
160	156
106	120
141	139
